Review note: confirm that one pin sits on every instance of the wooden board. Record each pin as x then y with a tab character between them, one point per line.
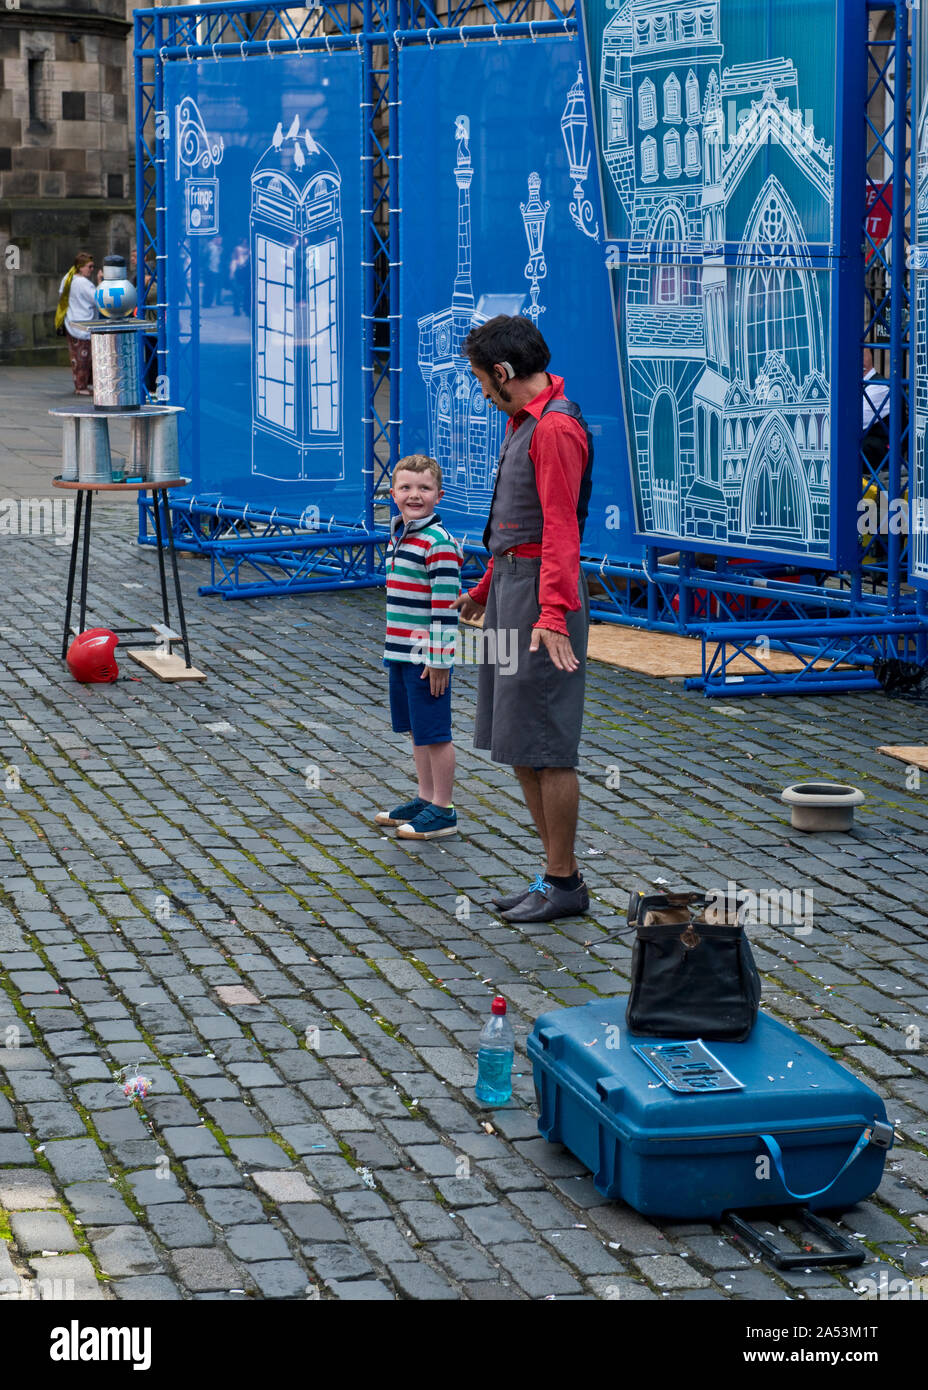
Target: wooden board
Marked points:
166	668
914	757
662	654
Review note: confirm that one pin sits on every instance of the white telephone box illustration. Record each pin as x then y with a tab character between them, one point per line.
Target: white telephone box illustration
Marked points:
297	254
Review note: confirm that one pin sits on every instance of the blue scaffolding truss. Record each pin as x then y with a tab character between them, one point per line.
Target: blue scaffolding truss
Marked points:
835	624
253	552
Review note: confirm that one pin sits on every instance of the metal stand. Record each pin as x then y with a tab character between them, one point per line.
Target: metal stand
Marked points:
94	453
83	515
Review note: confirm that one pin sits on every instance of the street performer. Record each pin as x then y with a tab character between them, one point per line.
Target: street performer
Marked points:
530	714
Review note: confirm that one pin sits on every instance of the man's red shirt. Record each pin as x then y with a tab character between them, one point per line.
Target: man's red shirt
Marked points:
559	453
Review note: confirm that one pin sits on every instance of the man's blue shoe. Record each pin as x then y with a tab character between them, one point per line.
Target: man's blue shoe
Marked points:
430	824
401	814
502	904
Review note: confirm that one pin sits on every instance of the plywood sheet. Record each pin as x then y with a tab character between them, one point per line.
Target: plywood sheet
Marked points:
166	668
913	757
662	654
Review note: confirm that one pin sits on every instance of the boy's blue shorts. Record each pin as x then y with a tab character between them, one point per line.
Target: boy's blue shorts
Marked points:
413	707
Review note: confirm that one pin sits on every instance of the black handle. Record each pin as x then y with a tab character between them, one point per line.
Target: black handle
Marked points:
844	1250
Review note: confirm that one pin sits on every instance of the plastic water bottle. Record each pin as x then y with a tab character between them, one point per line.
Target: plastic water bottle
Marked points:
494	1059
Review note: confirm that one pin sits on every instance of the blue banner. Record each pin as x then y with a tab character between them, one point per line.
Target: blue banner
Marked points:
264	287
501	214
725	127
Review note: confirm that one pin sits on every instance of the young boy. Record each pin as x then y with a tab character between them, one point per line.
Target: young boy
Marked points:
423	582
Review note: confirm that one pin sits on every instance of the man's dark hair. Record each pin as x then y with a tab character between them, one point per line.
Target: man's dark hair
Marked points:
514	340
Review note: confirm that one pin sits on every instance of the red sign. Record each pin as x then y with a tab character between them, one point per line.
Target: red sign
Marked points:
879	214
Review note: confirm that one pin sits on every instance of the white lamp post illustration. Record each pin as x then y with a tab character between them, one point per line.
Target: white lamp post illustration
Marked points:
575	128
534	213
202	155
296	252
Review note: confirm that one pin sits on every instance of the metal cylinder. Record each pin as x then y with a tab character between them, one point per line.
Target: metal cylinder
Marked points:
140	452
115	370
69	470
164	456
93	446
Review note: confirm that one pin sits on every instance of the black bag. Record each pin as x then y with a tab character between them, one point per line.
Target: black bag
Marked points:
693	972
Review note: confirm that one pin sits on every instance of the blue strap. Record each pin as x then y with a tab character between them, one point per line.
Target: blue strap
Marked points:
538	885
777	1156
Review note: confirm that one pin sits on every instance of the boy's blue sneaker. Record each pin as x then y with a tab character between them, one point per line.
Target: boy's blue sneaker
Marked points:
430	824
401	814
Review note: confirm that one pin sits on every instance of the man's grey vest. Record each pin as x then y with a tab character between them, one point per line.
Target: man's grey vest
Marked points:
515	516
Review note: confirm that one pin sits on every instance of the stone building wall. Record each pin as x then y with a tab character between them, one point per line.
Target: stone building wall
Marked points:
64	158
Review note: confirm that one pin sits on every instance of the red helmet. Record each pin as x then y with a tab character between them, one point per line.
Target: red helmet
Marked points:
90	656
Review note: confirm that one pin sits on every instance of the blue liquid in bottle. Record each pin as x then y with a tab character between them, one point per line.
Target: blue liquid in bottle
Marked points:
494	1059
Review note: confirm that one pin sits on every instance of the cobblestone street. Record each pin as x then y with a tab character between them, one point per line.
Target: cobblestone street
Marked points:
192	880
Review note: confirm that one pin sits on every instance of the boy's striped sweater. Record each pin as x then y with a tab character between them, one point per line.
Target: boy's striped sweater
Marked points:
423	580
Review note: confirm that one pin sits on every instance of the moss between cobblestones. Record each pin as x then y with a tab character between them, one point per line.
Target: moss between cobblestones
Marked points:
38	1150
901	1218
218	1135
348	1154
423	970
288	1149
118	1179
126	1192
6	1232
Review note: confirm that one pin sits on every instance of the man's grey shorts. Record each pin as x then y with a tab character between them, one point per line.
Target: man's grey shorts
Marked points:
532	716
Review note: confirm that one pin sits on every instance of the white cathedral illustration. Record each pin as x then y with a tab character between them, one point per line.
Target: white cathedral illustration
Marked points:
728	364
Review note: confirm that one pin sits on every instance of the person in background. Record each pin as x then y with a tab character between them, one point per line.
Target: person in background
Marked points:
875	420
212	279
149	312
240	279
76	304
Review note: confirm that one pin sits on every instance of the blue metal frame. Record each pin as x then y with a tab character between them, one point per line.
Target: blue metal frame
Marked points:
837	624
919	84
815	616
283	553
